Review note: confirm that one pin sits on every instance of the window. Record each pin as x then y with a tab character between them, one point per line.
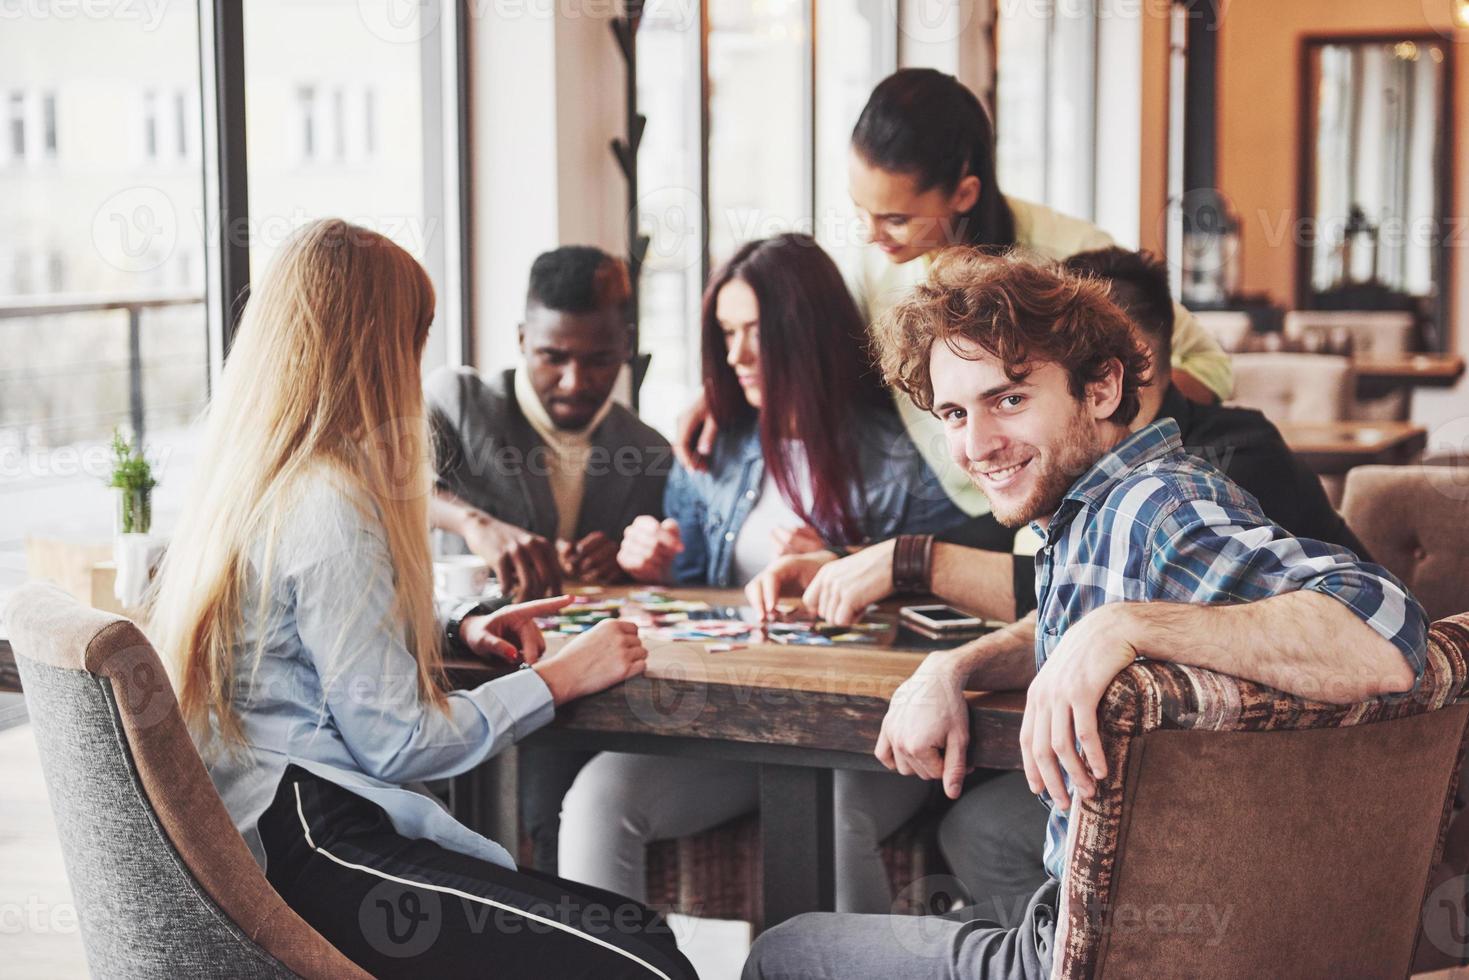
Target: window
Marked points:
783	95
48	125
302	156
306	114
669	211
369	123
89	224
150	125
760	144
1045	119
16	126
181	124
856	47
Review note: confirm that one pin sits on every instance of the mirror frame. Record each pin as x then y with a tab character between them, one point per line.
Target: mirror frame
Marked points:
1443	326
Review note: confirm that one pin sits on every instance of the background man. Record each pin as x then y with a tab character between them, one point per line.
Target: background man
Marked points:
539	469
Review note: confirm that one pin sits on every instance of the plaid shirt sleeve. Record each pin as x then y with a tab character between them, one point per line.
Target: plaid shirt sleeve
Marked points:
1211	550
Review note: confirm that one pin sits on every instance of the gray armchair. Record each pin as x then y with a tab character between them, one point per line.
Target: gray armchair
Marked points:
163	882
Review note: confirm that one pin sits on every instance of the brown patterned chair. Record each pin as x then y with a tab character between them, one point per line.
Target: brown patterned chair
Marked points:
164	884
1246	833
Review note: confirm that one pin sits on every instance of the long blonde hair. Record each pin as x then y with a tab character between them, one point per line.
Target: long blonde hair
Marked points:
324	370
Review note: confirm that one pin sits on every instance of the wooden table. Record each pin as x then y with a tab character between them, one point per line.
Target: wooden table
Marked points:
1426	370
1332	448
796	712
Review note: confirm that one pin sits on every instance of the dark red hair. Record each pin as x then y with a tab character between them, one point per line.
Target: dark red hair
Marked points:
816	371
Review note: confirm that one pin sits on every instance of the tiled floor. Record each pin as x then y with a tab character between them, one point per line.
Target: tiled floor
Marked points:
38	934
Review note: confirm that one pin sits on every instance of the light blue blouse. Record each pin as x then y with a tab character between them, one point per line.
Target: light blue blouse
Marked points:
334	687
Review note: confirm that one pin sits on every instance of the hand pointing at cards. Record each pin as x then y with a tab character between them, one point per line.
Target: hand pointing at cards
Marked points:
648	548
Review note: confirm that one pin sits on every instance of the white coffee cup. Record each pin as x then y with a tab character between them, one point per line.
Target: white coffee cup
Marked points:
461	575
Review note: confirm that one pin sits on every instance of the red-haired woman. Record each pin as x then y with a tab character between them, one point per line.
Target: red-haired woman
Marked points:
811	453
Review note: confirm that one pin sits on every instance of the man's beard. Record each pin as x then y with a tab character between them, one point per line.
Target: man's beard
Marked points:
1060	465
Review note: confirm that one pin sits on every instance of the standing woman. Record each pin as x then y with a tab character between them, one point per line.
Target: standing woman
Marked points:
297	617
809	446
921	174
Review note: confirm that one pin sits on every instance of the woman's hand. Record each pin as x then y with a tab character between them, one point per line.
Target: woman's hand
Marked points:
696	433
648	548
607	654
841	591
789	575
511	633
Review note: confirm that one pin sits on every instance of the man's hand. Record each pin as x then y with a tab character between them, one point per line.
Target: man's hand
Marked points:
525	563
592	559
788	575
697	430
648	548
926	730
842	590
511	633
797	540
1061	705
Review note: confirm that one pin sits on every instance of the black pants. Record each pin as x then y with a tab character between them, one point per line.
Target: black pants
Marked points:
545	776
410	908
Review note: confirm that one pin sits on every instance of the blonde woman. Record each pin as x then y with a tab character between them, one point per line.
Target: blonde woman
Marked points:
296	614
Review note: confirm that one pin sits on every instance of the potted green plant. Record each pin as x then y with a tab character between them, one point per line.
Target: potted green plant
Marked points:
132	478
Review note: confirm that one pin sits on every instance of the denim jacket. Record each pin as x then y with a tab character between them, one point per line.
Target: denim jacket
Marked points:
900	494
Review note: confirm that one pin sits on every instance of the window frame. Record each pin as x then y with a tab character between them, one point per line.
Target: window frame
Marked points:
226	172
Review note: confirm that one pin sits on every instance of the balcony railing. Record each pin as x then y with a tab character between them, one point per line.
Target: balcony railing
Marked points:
133	304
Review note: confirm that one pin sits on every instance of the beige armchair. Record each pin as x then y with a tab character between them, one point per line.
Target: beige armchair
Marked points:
1291	387
1415	522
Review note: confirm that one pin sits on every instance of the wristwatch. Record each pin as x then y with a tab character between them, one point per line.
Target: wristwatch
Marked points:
457	616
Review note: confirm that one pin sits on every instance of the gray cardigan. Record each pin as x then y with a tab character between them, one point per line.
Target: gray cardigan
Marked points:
488	455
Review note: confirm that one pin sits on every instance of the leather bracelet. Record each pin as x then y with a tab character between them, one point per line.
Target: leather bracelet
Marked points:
913	562
457	616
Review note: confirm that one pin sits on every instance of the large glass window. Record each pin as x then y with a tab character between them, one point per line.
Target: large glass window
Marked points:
783	93
760	144
1046	112
101	263
856	47
670	212
323	80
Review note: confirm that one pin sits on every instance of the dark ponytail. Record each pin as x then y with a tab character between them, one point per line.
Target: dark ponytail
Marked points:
924	124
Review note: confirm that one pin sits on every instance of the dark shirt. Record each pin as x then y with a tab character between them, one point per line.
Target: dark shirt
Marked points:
1248	448
488	455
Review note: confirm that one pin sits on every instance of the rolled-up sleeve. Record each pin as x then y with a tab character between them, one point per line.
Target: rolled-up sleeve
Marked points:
1207	551
369	678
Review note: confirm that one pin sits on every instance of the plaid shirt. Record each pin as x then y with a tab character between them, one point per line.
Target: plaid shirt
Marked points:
1148	522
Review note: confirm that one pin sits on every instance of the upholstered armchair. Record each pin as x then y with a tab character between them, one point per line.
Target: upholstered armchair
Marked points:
1241	832
164	884
1415	521
1290	387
